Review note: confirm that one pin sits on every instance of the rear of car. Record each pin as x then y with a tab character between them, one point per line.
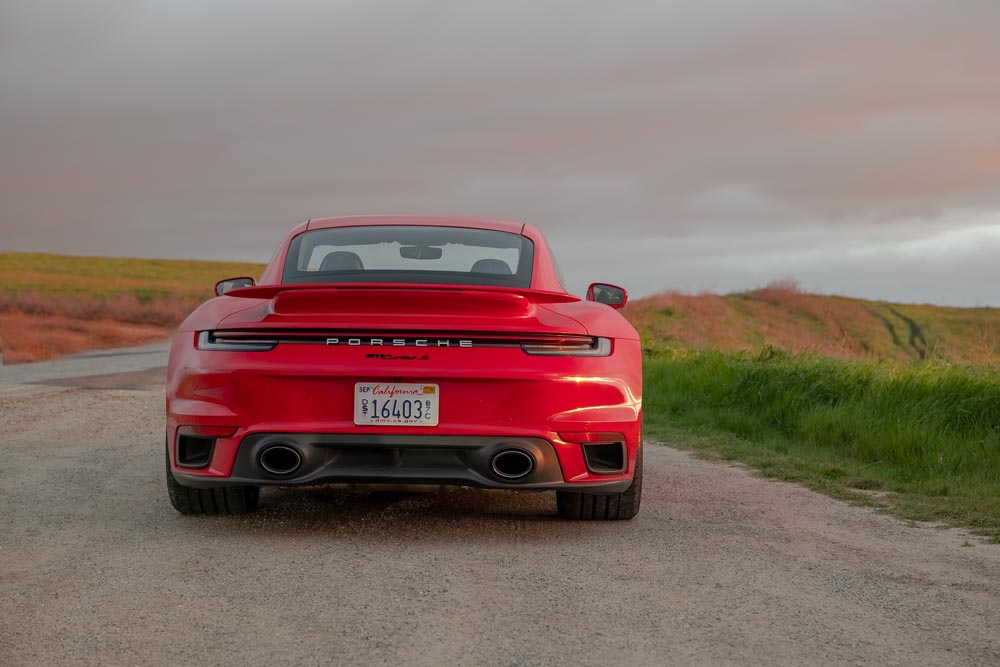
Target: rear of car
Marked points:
406	353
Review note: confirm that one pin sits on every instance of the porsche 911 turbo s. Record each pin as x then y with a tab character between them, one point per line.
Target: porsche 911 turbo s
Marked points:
401	350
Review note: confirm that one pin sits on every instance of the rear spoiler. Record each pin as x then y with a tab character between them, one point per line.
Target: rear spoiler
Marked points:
270	291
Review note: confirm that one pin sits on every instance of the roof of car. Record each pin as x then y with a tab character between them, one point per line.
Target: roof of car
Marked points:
433	220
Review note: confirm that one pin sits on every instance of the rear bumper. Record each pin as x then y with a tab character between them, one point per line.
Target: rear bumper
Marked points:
305	394
397	459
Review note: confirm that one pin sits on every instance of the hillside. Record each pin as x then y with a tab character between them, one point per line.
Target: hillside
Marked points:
146	279
52	305
783	317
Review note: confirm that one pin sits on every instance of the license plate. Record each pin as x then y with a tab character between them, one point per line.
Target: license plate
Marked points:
395	404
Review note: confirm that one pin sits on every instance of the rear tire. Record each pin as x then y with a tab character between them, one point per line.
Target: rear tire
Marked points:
218	500
603	506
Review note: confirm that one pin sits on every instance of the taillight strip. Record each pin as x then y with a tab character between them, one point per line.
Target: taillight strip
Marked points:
534	344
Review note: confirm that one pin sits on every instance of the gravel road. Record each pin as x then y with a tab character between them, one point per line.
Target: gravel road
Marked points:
720	567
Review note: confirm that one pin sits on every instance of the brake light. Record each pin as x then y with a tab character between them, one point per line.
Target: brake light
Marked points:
210	340
594	347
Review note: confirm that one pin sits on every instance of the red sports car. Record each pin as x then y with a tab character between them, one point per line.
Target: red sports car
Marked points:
407	350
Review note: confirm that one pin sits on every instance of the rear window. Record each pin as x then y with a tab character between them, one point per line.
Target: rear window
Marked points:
410	254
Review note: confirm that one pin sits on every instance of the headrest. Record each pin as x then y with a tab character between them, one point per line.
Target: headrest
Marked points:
342	260
494	266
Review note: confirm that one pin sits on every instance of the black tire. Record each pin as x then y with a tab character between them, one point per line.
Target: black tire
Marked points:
603	506
218	500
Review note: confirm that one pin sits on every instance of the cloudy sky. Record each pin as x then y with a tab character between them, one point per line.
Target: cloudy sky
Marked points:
851	145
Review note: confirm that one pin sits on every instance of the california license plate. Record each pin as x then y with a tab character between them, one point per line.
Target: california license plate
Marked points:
396	404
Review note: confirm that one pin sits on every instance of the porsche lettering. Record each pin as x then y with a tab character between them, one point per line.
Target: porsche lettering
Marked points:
399	342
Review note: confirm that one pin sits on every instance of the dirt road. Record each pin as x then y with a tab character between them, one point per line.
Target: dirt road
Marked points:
720	567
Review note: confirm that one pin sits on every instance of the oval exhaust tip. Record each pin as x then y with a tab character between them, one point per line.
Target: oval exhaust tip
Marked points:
280	460
512	464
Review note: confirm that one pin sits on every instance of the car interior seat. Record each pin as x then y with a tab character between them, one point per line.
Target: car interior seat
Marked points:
495	266
342	260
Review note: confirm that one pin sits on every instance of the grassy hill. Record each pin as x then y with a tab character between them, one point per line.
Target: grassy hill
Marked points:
53	305
158	293
783	317
99	277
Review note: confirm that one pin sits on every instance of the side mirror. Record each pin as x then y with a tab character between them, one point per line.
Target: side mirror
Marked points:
611	295
230	284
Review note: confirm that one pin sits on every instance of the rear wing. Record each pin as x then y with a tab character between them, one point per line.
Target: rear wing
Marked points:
383	289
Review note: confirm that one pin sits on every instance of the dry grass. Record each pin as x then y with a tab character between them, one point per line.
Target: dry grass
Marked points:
161	311
35	326
53	305
689	320
37	337
782	316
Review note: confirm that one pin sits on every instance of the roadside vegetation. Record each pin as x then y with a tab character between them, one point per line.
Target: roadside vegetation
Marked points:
54	305
782	316
100	277
921	439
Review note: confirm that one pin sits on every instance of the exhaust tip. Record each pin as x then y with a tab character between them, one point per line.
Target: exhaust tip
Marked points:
511	464
280	460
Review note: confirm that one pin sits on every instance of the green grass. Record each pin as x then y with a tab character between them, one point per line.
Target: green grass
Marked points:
101	277
926	433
